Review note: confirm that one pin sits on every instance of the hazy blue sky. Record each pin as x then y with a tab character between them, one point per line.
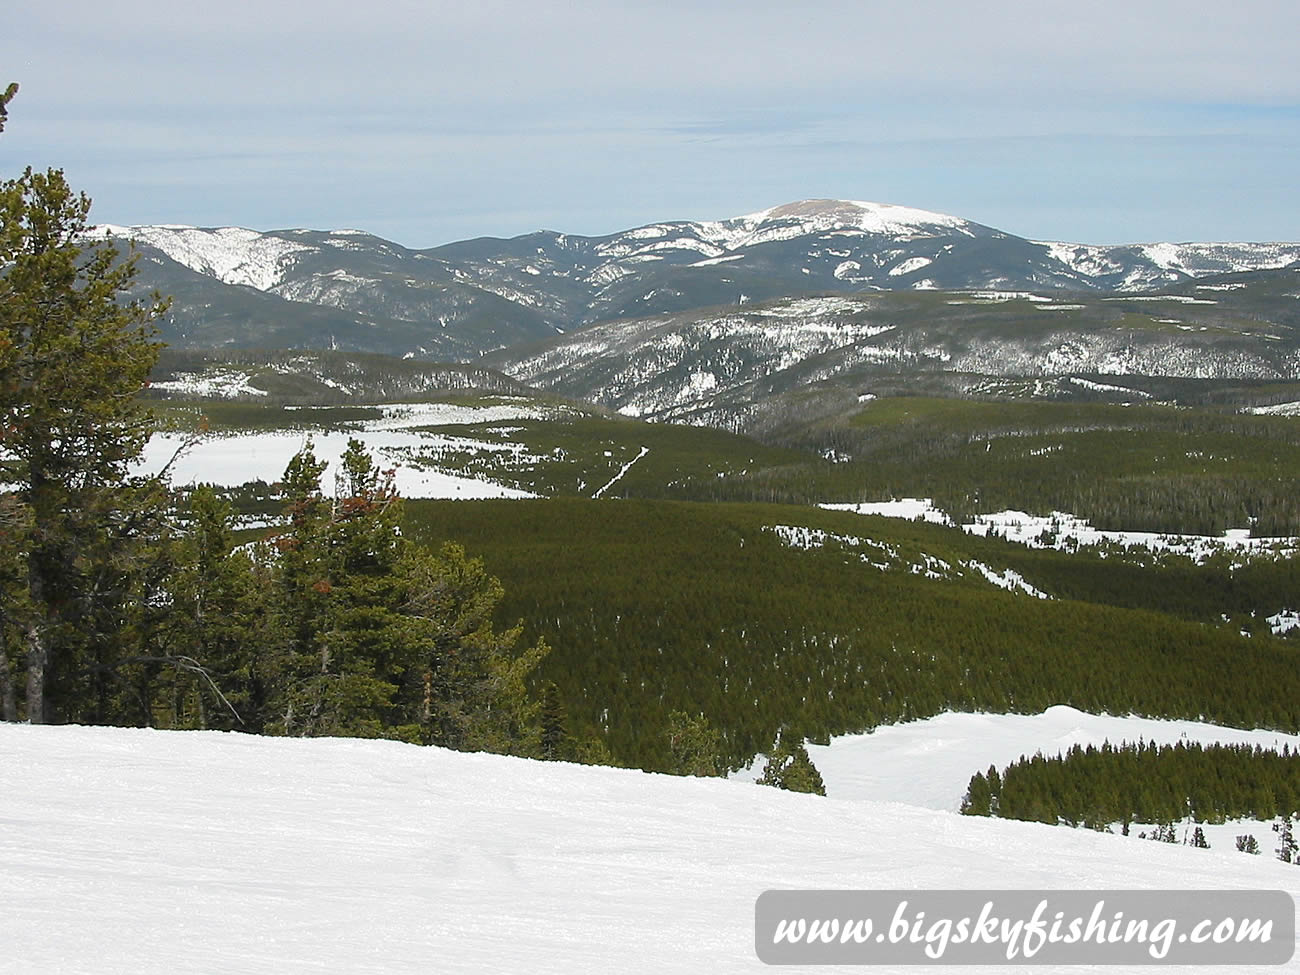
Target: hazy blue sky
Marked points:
1106	121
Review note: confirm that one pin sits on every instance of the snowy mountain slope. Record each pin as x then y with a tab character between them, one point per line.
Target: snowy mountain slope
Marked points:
232	255
806	217
313	377
371	296
1136	267
654	366
135	851
714	364
469	297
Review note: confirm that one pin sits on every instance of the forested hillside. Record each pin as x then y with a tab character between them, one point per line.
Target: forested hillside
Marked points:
1159	468
705	608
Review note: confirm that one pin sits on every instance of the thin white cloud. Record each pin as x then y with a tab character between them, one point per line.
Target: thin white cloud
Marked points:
583	116
491	50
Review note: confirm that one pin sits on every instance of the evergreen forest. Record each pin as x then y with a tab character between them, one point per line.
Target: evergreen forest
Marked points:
1141	783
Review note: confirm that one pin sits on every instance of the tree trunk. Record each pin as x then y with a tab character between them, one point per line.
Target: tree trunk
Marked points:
38	658
8	699
41	562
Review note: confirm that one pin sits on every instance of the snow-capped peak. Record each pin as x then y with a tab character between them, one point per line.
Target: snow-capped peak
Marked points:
233	255
803	217
879	217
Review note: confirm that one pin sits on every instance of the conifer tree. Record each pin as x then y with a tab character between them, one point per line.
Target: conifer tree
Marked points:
978	798
215	620
5	99
377	636
995	789
555	743
1286	843
693	745
342	590
592	750
74	351
789	767
472	687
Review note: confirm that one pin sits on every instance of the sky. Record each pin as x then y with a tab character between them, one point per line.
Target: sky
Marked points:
428	121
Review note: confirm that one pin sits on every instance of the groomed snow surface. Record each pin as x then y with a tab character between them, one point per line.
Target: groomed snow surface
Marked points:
952	747
136	851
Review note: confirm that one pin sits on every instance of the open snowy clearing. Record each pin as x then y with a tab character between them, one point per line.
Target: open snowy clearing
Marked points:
234	460
1063	531
391	436
1281	409
909	509
886	558
949	748
135	851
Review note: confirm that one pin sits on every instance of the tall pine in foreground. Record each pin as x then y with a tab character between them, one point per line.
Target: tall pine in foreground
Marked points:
340	593
216	613
371	635
74	351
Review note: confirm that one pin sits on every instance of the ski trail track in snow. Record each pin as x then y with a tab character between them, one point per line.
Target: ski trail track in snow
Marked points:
619	476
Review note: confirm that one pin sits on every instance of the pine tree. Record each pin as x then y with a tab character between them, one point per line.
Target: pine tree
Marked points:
978	798
1286	843
377	636
789	767
555	744
215	617
343	589
995	790
592	750
5	99
693	746
472	688
1246	843
74	351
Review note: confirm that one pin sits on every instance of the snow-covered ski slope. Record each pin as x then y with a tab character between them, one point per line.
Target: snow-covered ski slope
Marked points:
952	746
136	851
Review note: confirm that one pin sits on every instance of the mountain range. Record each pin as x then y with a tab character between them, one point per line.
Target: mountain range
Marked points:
350	290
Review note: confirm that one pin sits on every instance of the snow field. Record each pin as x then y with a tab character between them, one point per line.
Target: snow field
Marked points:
230	254
231	460
952	747
137	851
1062	530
